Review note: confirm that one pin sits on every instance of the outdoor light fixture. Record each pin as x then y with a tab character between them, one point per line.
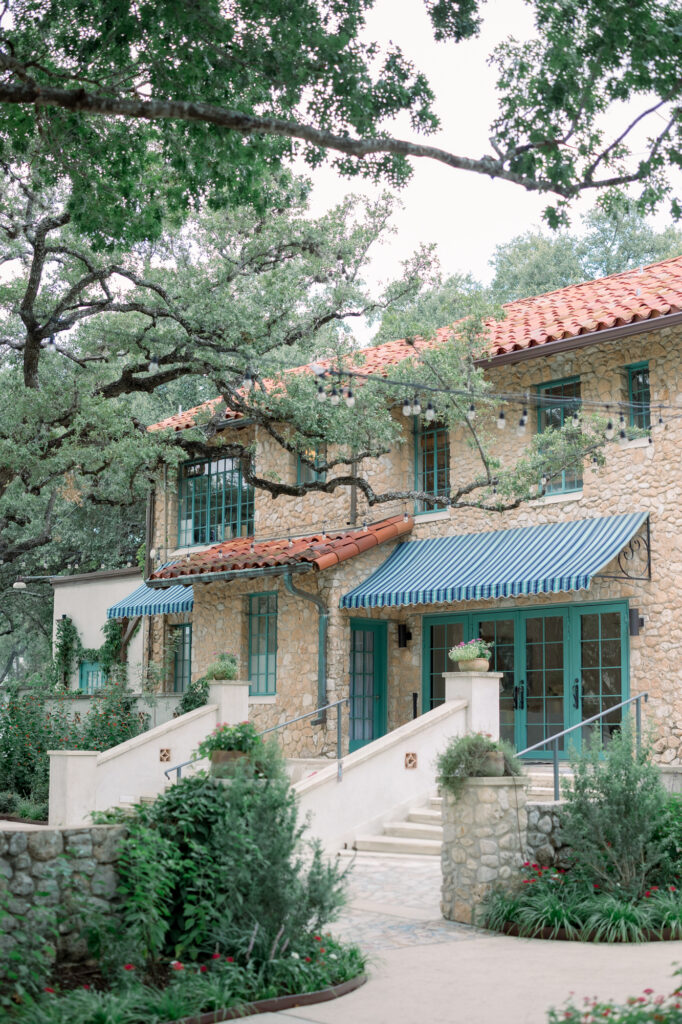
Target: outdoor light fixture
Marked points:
19	585
501	421
636	621
51	344
334	398
524	416
350	399
471	413
407	408
521	429
622	438
153	364
416	406
430	413
321	394
610	431
404	634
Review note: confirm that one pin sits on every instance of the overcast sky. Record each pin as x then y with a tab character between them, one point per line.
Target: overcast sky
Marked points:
465	214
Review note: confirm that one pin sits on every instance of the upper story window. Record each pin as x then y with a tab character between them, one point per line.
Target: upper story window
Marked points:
639	396
307	474
432	459
214	502
558	400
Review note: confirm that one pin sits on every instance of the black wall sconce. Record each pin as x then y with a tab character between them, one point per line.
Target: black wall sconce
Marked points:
636	622
404	635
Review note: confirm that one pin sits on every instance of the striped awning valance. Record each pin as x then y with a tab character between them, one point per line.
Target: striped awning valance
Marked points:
145	601
504	563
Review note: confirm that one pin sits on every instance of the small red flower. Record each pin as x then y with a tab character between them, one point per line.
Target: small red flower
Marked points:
307	959
203	968
595	885
647	991
230	959
177	966
86	986
654	888
129	967
671	888
215	956
321	951
49	990
318	938
647	893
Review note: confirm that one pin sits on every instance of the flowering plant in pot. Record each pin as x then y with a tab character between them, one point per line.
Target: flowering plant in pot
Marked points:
224	667
475	755
228	745
474	655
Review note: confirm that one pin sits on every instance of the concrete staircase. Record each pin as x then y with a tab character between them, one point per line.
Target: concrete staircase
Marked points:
421	833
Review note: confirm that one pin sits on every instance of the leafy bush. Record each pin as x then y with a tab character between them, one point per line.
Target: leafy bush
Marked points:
641	1009
242	737
224	667
27	949
212	866
465	757
611	815
195	696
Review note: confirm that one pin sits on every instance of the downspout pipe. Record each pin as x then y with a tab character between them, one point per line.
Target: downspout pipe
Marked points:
322	623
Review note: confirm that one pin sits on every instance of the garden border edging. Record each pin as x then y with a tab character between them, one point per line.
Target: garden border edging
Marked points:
276	1003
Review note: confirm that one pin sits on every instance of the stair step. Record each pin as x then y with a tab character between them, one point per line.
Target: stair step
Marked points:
436	801
426	816
395	844
413	830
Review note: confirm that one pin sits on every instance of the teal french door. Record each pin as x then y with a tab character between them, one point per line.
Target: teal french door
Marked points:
368	660
560	665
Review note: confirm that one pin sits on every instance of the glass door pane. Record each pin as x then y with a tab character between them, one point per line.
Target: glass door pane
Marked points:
545	689
500	632
367	683
443	636
602	658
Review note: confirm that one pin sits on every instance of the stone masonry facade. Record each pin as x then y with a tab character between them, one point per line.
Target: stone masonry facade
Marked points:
66	872
639	476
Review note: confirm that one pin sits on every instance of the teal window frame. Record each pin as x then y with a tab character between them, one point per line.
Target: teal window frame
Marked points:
640	409
569	482
182	656
430	478
306	474
90	677
262	614
214	503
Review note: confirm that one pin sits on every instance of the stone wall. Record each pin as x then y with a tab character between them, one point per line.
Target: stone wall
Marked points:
484	842
545	842
42	868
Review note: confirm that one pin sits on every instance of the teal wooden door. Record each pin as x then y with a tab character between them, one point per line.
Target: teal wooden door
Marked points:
368	658
600	676
543	678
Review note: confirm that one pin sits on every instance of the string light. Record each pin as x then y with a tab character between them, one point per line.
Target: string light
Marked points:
471	413
153	364
521	429
575	418
524	415
660	419
407	408
501	420
350	399
622	438
334	398
610	431
416	406
321	394
51	344
543	480
430	413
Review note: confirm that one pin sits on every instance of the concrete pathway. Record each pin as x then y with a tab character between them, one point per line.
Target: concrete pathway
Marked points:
424	970
19	826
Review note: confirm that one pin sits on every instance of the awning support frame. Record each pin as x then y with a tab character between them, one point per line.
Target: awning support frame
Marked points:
628	554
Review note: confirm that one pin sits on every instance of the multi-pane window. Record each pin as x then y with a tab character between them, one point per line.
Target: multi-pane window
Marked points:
263	644
214	502
639	396
181	645
557	401
90	676
432	460
311	474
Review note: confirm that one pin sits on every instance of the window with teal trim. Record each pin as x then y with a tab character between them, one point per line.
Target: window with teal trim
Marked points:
263	644
557	401
432	460
181	645
639	396
90	676
214	502
307	474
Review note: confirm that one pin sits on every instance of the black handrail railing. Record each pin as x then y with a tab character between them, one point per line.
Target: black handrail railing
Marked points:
177	768
554	740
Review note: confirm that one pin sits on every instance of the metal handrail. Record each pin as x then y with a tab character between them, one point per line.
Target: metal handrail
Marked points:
177	768
559	735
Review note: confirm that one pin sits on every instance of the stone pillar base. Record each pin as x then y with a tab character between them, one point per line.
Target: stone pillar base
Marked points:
484	842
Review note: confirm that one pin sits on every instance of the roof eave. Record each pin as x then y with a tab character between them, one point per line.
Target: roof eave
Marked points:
230	574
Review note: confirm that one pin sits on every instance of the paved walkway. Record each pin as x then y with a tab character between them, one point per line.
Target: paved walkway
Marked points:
424	970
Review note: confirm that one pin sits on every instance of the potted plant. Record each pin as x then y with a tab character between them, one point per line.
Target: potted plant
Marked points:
472	656
475	756
224	667
228	746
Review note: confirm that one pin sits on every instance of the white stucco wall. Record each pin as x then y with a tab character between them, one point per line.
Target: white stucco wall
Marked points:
85	599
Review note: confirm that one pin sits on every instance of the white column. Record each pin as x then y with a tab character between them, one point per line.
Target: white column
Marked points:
232	698
481	691
73	787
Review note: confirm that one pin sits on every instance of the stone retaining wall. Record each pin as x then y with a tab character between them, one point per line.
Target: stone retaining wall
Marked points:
43	868
545	843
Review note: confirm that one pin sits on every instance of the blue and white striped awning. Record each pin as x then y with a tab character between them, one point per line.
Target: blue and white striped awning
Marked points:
145	601
504	563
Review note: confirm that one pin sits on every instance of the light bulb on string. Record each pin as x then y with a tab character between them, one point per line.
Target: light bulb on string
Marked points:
430	413
610	431
521	429
321	394
416	406
471	413
350	399
575	419
660	418
51	344
153	364
407	408
543	480
334	398
524	416
501	421
622	438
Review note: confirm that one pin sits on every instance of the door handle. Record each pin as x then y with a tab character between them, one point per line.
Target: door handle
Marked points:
576	694
519	696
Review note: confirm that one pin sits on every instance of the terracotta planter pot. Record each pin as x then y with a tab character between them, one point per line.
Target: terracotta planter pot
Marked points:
224	762
473	665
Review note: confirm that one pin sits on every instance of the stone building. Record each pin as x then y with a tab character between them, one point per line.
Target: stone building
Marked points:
577	589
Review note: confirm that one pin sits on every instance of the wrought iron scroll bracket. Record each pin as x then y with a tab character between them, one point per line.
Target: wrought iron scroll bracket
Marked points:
633	551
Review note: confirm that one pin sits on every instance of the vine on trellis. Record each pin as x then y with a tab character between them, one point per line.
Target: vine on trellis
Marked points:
69	651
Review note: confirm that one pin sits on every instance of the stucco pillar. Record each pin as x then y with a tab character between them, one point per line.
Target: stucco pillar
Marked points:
232	698
73	786
481	691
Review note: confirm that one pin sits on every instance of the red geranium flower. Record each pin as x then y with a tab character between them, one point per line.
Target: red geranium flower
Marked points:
129	967
177	966
215	956
203	968
307	959
49	990
230	959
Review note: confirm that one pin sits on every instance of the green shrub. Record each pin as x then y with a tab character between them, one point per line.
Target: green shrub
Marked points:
641	1009
612	810
224	667
27	949
465	758
195	696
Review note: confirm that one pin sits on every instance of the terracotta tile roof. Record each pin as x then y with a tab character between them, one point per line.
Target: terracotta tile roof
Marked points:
322	552
635	295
